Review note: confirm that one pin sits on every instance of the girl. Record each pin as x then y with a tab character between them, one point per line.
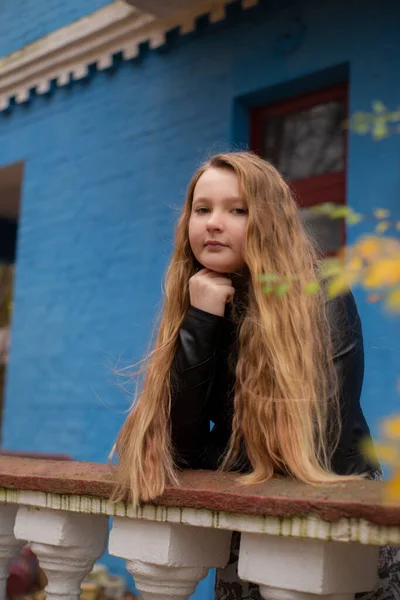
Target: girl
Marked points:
279	376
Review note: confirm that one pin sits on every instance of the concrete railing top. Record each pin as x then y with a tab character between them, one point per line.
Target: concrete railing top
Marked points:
211	491
61	508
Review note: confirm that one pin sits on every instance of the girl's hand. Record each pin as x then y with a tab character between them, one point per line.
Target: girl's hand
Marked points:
210	291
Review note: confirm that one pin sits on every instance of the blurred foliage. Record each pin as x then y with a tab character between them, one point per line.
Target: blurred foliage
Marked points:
387	449
372	262
380	123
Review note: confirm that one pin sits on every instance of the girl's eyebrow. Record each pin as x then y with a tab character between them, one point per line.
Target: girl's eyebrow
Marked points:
230	199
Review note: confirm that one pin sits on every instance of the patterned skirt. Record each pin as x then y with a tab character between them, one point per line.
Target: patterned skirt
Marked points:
228	586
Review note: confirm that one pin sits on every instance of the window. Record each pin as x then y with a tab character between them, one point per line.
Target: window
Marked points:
305	139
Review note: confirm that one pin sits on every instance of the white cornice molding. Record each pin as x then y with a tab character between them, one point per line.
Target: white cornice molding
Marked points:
67	52
165	8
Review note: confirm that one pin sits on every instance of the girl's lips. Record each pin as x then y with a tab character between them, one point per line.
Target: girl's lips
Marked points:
215	244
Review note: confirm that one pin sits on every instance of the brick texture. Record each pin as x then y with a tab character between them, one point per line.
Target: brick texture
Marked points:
22	21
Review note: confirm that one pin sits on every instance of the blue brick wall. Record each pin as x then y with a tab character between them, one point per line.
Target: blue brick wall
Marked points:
23	21
107	163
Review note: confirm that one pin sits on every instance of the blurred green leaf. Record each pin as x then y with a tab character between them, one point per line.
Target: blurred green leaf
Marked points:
312	288
382	226
282	288
268	289
323	209
381	213
265	277
339	212
353	218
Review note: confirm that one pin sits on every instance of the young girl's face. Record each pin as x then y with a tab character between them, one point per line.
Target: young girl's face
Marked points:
218	221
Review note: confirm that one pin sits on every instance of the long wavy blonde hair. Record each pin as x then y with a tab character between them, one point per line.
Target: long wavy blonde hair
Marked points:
286	409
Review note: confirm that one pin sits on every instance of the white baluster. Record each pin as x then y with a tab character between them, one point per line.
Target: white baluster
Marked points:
167	560
303	569
156	582
9	546
66	544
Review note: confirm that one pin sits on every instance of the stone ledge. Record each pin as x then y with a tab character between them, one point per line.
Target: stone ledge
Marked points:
210	491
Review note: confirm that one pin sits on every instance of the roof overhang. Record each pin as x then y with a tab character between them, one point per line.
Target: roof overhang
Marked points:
164	8
119	27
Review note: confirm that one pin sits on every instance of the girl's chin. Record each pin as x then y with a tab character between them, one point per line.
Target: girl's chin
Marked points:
220	268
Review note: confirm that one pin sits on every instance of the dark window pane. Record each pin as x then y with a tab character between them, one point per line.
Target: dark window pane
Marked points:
307	142
327	232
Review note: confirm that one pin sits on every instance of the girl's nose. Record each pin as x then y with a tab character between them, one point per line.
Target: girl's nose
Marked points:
214	222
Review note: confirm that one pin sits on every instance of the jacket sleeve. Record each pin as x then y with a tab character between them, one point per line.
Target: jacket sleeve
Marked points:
192	376
348	346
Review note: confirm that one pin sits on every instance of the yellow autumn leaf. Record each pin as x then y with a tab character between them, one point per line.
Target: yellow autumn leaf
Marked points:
389	246
382	226
331	267
341	254
368	247
392	302
338	285
367	449
392	487
387	454
384	272
382	213
354	265
391	428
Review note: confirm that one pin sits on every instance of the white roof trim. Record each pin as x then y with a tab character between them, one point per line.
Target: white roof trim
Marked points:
118	27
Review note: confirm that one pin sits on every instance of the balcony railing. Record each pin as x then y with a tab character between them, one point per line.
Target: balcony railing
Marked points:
297	541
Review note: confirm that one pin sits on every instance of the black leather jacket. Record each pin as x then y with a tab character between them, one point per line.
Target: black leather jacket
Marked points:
203	381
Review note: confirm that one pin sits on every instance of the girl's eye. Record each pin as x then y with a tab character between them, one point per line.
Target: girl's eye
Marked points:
240	211
202	210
